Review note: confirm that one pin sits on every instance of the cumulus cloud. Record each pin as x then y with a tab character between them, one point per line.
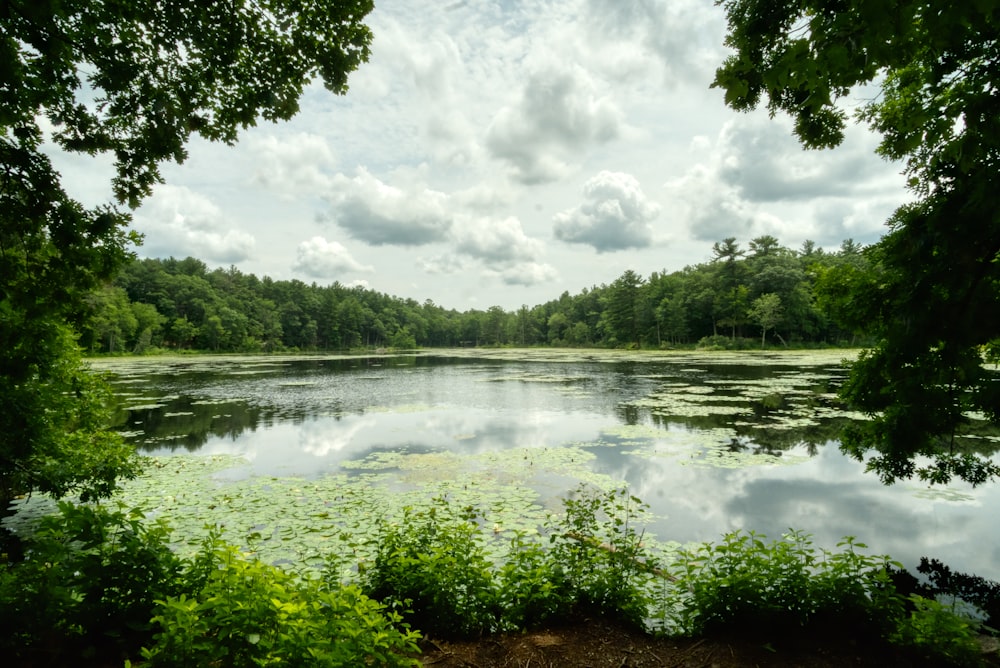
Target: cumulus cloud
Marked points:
444	264
765	163
616	215
754	178
498	248
179	222
710	209
495	241
292	165
319	258
682	36
379	214
413	214
528	274
557	117
504	250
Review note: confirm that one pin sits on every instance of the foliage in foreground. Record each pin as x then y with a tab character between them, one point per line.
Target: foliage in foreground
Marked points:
87	581
436	565
136	98
932	301
99	582
242	612
95	582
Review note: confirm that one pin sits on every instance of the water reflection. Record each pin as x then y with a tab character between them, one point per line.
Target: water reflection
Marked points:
710	446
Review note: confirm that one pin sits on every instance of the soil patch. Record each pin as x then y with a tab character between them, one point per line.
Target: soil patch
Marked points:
601	643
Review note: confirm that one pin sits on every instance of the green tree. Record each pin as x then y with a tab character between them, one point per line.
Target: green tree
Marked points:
494	326
765	246
110	322
149	324
767	312
134	81
557	326
936	303
622	309
731	307
672	315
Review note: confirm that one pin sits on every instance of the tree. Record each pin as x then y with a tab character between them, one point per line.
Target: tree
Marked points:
133	80
110	322
557	325
728	252
494	326
731	308
622	308
765	245
936	303
766	311
672	316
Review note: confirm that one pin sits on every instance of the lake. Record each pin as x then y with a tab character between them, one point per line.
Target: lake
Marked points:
297	456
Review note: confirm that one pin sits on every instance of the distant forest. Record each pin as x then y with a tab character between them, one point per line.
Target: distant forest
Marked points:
763	294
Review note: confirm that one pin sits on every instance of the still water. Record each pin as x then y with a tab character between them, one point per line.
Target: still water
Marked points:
711	441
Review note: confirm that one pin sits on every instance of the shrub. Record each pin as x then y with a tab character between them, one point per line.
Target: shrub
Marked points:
782	586
937	634
597	557
89	579
436	569
247	613
434	565
532	589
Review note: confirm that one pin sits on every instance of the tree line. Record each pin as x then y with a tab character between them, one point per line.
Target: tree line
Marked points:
765	291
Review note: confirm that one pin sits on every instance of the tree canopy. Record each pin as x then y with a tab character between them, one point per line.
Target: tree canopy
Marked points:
132	80
181	304
933	303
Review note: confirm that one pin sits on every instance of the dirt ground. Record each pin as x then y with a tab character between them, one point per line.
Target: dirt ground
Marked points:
597	643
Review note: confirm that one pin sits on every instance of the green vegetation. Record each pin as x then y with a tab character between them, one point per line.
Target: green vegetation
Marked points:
772	293
136	80
932	294
102	583
238	612
132	81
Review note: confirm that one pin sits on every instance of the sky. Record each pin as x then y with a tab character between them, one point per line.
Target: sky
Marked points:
502	152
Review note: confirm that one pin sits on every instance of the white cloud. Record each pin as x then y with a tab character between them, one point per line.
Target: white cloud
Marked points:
762	159
319	258
495	248
681	35
710	209
616	215
495	241
556	118
447	164
293	165
528	274
379	214
444	264
179	222
754	178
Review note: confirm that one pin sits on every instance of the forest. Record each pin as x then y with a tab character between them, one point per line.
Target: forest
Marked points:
764	294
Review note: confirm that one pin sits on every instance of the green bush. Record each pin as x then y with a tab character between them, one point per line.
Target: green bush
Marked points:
597	559
433	564
780	587
98	582
532	588
88	580
937	634
247	613
435	568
